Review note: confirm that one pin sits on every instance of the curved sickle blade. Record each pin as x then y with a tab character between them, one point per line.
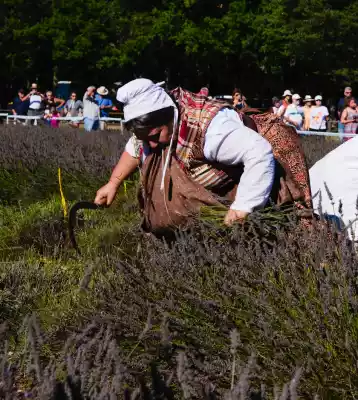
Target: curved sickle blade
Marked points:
72	219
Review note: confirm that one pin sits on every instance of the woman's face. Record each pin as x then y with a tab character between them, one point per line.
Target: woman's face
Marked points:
318	103
49	95
353	103
157	137
160	136
237	96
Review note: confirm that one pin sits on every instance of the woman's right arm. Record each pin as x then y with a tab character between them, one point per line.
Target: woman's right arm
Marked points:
127	164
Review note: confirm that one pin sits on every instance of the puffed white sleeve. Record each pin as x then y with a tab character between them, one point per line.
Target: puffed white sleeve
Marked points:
230	142
131	147
137	149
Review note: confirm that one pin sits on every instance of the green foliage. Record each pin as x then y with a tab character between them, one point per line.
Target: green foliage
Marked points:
302	43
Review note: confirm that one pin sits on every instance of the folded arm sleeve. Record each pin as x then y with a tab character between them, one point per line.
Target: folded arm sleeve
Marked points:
137	149
230	142
130	148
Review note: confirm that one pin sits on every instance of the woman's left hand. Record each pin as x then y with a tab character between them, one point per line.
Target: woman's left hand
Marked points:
233	216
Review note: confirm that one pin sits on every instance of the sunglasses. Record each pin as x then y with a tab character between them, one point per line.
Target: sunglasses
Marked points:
148	134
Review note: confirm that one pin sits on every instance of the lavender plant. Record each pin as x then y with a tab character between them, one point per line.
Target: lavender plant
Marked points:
216	313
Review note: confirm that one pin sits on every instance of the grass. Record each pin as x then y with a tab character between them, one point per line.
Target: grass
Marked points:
212	315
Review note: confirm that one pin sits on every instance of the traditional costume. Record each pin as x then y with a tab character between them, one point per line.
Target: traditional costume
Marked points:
215	156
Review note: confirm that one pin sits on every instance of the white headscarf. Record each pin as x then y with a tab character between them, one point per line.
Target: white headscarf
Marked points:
141	97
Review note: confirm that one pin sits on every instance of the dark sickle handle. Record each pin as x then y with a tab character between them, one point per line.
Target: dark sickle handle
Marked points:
72	219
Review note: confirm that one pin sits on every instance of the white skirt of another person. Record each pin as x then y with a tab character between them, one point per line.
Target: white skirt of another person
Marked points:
339	171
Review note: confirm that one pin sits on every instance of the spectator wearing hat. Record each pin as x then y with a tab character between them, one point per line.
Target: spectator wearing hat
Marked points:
293	114
286	101
308	101
104	102
91	110
35	102
318	116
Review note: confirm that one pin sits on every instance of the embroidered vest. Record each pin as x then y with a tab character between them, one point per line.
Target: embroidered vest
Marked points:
195	114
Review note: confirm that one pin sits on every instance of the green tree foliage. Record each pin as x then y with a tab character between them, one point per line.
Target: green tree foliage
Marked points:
260	45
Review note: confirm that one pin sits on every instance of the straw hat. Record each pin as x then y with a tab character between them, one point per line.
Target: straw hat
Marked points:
102	90
307	98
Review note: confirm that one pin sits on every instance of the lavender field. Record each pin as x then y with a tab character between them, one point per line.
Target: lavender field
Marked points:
215	314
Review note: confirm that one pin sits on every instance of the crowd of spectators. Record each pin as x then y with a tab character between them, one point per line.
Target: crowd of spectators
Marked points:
48	108
310	114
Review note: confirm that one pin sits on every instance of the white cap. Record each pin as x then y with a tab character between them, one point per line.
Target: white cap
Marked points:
319	97
296	96
287	93
142	96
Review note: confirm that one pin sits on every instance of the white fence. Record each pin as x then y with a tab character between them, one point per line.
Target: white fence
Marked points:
329	134
73	119
120	120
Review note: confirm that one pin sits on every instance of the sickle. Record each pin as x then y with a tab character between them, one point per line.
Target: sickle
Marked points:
72	219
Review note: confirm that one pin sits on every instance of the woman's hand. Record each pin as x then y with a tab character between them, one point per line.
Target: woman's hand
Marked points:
233	216
106	194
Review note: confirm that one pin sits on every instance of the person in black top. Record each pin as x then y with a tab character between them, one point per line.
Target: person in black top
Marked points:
238	99
20	107
51	101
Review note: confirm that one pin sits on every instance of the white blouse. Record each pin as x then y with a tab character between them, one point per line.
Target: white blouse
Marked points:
228	141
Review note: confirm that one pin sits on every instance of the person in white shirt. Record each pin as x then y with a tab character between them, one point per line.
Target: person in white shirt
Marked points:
91	110
286	101
35	103
276	104
318	116
293	115
334	179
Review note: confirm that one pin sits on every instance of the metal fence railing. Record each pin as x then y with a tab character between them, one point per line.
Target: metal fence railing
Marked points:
9	117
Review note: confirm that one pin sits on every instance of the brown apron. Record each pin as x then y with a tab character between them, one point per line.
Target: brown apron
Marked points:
180	200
